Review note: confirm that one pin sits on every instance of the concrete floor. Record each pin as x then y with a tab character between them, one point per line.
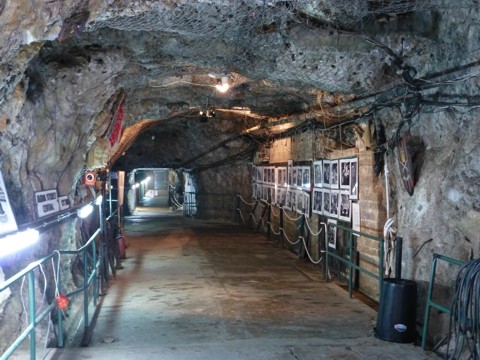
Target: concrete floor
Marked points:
198	290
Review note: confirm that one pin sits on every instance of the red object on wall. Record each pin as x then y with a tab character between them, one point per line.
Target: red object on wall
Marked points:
89	178
117	130
62	301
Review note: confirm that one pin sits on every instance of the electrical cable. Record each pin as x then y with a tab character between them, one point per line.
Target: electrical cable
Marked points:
464	328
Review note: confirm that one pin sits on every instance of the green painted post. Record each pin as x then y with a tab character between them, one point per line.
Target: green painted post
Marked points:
350	267
31	298
252	214
326	252
85	289
429	300
382	272
95	271
261	217
60	339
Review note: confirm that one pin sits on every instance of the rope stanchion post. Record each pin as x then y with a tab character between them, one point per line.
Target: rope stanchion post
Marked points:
252	214
261	218
281	222
236	216
350	267
269	217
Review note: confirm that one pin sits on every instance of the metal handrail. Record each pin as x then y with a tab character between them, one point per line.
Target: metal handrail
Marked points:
430	302
349	262
33	318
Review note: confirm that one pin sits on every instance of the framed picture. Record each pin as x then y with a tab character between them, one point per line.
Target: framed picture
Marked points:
332	233
299	177
326	173
259	172
334	196
293	182
306	203
326	202
317	173
288	199
259	192
63	202
300	206
345	207
290	172
356	217
265	175
317	201
280	198
8	223
306	177
345	174
47	202
293	199
334	174
354	179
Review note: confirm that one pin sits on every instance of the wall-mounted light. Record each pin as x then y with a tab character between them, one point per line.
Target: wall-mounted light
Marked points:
18	241
99	200
222	84
85	211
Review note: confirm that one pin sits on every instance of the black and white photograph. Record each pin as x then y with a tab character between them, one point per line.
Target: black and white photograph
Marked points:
64	202
259	194
290	172
259	172
326	173
334	174
288	200
317	173
300	206
334	196
344	212
271	194
317	201
332	233
281	194
8	223
306	177
293	183
306	203
354	179
299	177
293	200
326	202
345	174
47	202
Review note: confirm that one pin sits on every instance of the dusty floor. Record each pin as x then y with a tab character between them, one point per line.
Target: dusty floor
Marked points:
197	290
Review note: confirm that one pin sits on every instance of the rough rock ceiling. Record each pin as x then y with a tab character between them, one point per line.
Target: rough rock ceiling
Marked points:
301	59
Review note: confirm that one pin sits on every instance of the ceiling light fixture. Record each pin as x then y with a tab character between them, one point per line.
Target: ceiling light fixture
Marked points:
222	84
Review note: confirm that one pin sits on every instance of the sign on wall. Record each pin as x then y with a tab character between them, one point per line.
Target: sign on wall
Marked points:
7	219
47	202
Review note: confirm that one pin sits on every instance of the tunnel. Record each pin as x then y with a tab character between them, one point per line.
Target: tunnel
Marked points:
241	179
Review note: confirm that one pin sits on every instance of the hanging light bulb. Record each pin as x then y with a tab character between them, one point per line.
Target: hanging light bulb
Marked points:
223	84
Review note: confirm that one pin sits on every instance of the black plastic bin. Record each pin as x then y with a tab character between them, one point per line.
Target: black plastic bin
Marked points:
397	312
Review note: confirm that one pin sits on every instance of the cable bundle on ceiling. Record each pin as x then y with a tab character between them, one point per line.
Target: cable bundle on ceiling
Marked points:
464	332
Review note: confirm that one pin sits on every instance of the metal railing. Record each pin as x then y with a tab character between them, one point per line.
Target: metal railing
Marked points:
90	276
303	235
430	302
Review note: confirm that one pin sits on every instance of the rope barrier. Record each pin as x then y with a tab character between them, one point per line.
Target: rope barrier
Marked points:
311	231
308	253
273	230
288	217
241	216
273	212
245	202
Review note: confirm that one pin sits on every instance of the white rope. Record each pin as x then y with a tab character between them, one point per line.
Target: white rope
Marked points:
286	237
293	219
273	230
253	217
311	231
273	212
246	202
389	245
241	216
308	253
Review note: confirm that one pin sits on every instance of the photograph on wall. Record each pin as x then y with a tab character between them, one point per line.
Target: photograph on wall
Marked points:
265	174
290	172
317	201
259	172
264	193
354	179
8	223
271	194
332	234
306	177
293	182
47	202
306	203
345	174
345	208
334	196
317	173
300	205
299	176
293	199
288	200
326	173
281	194
259	193
64	202
280	178
356	217
326	202
334	174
